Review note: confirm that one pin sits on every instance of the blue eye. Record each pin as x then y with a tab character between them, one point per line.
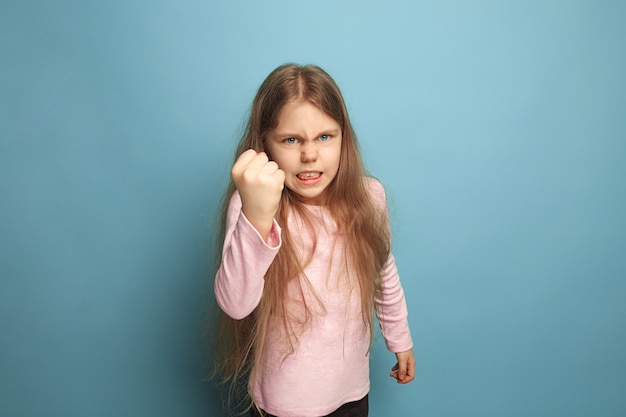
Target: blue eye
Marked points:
324	138
291	140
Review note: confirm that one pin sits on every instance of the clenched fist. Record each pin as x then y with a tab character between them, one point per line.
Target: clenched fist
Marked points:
260	183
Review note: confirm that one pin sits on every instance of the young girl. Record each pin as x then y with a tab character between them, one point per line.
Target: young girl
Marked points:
306	257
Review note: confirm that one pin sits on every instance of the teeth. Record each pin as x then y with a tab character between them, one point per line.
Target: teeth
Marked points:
305	175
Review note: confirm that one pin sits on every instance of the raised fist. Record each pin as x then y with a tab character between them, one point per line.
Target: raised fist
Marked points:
260	183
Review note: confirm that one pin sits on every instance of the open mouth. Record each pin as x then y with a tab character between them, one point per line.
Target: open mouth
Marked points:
309	175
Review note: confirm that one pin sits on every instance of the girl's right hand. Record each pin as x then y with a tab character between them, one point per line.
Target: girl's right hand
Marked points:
260	184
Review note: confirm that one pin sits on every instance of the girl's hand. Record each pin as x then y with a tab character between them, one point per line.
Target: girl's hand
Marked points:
404	369
260	183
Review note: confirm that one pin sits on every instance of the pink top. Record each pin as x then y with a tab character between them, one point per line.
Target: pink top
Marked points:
331	363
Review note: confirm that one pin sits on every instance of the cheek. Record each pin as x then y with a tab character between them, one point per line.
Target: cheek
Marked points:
272	153
284	162
337	155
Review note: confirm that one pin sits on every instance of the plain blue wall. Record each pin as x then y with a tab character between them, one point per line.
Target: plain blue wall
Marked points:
498	128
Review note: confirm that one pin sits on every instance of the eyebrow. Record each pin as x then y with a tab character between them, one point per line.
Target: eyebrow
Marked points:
333	132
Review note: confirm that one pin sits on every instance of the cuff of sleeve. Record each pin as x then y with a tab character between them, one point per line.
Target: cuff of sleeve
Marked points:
397	348
274	239
398	339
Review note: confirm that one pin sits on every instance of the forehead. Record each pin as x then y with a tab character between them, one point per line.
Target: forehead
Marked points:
304	115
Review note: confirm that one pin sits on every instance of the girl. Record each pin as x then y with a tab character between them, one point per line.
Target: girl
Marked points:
306	257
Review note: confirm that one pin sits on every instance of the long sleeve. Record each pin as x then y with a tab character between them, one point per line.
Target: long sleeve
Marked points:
392	312
246	258
391	308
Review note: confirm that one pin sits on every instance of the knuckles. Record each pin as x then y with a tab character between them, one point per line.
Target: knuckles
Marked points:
256	177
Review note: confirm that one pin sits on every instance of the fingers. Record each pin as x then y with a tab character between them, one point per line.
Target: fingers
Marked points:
409	373
249	159
404	370
258	161
394	371
252	163
269	168
246	157
260	183
399	372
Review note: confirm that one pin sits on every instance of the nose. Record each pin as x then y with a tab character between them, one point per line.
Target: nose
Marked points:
308	152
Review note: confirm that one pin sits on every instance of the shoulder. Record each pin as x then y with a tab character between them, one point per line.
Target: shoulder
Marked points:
376	191
373	185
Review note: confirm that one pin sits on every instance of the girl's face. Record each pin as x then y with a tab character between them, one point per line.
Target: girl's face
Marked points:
306	145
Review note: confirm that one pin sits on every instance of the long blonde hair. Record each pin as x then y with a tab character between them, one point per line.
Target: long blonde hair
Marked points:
238	344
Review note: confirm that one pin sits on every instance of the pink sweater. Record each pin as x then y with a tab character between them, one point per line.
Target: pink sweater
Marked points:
330	365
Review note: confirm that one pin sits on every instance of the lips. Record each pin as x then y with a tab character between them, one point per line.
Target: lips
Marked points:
309	178
309	175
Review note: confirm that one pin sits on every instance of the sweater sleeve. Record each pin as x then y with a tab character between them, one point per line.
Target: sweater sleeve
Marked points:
392	312
391	308
246	257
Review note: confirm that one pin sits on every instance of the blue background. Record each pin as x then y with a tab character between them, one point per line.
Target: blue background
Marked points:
498	128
